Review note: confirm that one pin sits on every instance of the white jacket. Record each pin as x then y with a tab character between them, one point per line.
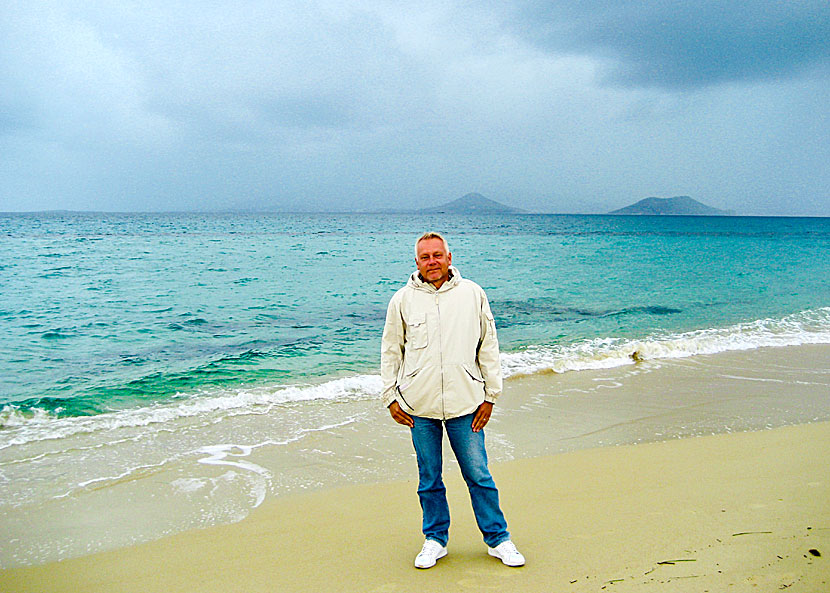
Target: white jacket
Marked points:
439	353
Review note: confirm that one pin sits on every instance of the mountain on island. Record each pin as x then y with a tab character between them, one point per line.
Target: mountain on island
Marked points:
677	206
473	204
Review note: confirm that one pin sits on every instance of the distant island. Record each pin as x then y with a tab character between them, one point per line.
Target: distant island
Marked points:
677	206
473	203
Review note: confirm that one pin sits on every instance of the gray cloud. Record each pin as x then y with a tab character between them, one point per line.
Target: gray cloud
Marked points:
684	44
322	105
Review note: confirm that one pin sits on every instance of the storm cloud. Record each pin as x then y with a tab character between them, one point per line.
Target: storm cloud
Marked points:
566	107
681	45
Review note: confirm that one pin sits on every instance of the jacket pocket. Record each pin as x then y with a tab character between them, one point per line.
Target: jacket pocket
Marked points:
474	372
403	399
417	336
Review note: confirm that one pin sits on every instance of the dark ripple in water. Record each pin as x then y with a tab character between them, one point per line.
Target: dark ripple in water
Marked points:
196	321
56	334
510	313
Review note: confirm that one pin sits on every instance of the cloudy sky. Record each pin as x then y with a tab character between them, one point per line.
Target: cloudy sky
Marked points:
566	106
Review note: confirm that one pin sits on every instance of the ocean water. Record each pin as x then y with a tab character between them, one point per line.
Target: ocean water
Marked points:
138	343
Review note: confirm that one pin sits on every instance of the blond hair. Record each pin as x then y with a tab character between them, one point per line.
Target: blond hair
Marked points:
431	235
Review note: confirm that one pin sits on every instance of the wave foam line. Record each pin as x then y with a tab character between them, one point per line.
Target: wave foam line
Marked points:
20	428
807	327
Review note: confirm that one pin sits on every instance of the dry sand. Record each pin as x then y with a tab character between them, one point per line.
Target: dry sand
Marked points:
736	512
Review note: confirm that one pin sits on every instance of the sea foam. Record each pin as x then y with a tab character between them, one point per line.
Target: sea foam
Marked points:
41	425
807	327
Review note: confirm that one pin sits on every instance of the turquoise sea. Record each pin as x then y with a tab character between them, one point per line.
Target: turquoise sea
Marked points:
126	333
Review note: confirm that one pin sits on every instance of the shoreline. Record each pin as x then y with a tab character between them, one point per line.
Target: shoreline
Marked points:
665	399
737	510
537	417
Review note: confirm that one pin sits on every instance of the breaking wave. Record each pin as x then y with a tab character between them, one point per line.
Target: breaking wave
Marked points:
807	327
18	426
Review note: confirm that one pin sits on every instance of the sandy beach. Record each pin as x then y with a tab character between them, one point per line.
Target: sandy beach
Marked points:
616	507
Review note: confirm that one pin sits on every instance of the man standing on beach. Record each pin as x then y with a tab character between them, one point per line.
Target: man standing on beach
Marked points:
440	370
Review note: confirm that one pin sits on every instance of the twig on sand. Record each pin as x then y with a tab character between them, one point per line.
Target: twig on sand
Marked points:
689	576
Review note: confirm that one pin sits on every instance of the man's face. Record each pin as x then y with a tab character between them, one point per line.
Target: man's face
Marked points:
433	261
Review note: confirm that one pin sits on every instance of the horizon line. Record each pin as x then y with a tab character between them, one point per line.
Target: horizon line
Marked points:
364	212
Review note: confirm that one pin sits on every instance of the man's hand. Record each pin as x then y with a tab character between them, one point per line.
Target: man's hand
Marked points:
482	416
399	416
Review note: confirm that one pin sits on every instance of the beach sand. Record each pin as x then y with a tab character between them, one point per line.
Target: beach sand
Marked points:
746	511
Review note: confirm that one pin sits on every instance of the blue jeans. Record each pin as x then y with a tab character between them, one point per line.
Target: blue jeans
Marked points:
468	446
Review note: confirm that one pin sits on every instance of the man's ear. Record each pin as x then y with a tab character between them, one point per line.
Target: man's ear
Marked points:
449	258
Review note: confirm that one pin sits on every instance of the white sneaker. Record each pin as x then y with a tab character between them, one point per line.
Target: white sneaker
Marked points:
430	554
506	552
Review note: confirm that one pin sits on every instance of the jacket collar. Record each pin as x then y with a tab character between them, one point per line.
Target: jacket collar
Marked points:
416	282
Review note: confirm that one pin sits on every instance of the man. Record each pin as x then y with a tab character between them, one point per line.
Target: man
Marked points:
440	370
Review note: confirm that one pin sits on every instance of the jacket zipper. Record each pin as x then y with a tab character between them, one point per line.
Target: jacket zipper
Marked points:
440	358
